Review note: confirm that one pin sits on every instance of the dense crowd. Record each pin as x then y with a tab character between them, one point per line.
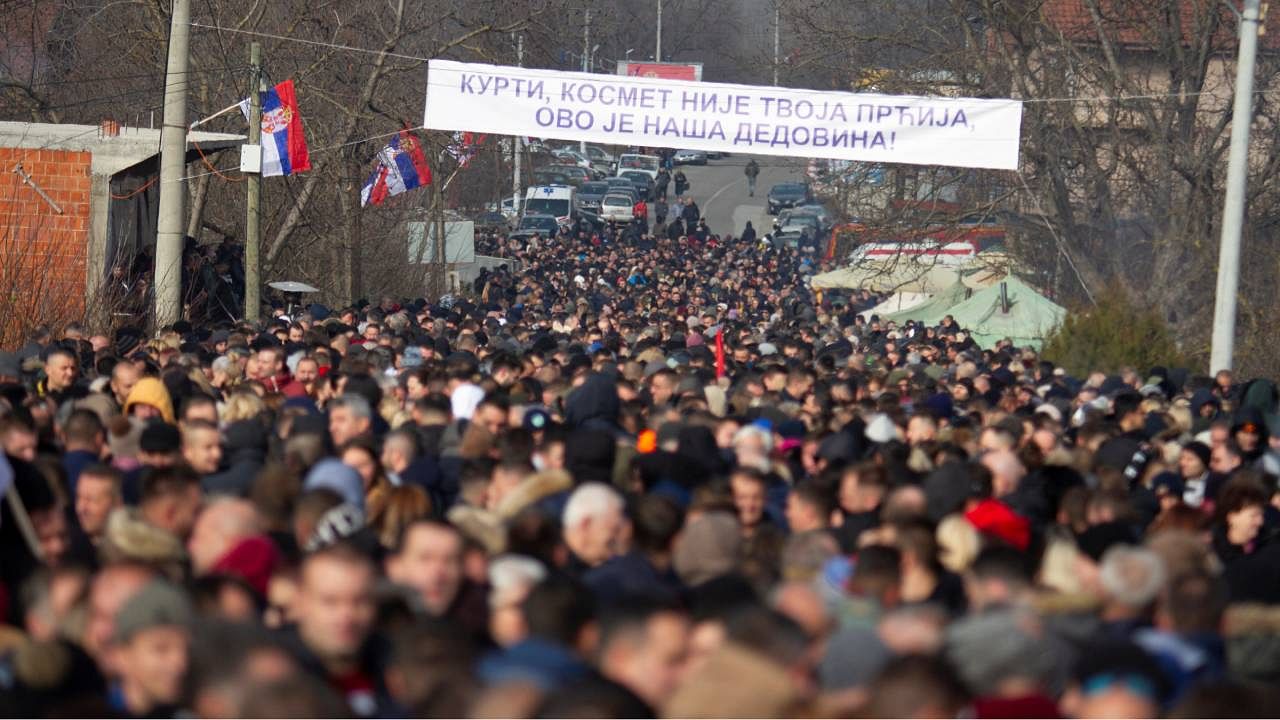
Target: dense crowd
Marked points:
630	475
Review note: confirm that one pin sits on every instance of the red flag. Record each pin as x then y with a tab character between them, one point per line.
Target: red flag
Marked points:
720	352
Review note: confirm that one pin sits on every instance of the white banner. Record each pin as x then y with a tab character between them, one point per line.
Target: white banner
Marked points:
654	112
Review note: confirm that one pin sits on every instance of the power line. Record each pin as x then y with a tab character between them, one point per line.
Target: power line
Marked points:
304	41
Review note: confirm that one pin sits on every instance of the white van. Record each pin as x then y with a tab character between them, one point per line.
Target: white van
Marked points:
648	163
560	201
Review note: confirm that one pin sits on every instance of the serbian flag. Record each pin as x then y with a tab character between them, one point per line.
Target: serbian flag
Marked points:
463	147
375	188
284	146
401	167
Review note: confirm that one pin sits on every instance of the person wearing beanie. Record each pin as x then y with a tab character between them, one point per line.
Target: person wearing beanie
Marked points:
709	547
229	539
339	477
150	650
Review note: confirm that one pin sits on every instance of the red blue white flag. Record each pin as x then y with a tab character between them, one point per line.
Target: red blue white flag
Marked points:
284	146
402	166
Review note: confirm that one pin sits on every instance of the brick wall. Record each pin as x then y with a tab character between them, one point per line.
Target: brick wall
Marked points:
42	253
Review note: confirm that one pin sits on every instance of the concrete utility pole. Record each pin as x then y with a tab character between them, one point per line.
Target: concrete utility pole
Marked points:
167	282
777	37
516	142
586	50
253	190
657	52
1224	308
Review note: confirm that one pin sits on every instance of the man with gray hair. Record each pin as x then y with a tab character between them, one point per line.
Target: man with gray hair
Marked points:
1132	579
350	417
593	523
511	577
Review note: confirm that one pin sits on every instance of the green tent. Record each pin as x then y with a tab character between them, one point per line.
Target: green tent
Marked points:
931	311
909	275
1026	319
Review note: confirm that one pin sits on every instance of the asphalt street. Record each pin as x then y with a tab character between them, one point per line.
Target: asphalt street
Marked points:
720	189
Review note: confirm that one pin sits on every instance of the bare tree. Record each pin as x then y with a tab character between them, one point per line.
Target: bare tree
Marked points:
1126	121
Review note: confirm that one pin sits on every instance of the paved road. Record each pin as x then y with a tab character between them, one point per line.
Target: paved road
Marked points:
720	189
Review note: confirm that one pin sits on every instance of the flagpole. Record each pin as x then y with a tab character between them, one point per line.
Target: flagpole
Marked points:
253	192
220	113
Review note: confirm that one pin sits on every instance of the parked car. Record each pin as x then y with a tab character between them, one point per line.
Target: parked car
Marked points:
492	220
802	222
788	194
571	157
548	176
591	193
602	159
689	157
819	214
577	175
616	207
625	186
508	209
545	226
642	181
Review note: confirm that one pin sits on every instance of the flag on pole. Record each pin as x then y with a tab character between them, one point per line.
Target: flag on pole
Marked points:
401	167
284	146
375	188
463	147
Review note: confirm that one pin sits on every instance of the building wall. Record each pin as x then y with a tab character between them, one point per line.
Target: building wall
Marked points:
43	253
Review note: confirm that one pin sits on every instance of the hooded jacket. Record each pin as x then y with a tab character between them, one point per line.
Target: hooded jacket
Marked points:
594	405
151	391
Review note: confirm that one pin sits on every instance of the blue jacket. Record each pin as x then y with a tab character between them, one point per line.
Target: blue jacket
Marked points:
547	665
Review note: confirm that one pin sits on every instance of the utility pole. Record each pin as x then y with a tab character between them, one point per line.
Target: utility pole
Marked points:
657	52
516	142
777	37
253	190
438	273
586	50
173	166
1224	308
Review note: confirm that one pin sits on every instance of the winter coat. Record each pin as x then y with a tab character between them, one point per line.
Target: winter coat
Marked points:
245	447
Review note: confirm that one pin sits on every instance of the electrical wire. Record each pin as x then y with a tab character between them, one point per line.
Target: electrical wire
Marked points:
304	41
205	159
139	189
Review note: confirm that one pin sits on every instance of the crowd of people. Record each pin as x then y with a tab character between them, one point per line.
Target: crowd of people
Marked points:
627	477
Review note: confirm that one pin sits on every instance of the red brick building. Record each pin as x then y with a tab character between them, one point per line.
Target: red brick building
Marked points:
76	201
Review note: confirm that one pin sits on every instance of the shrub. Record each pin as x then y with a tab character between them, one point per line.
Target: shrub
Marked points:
1111	335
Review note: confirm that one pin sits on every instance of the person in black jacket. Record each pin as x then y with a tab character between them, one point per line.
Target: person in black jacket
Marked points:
1250	557
690	212
682	183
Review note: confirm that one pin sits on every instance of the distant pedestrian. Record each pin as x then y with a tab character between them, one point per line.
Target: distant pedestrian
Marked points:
690	212
682	183
752	171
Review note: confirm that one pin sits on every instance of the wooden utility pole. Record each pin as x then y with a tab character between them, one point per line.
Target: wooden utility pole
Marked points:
438	273
253	192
